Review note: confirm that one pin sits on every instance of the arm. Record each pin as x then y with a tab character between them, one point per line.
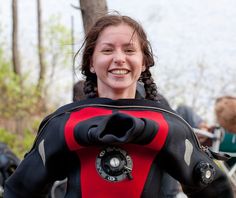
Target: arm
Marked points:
42	165
193	166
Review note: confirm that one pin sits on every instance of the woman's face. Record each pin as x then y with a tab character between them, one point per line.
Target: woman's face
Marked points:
117	61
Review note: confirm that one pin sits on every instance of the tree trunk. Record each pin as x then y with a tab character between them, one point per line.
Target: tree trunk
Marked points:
42	70
15	51
42	65
91	10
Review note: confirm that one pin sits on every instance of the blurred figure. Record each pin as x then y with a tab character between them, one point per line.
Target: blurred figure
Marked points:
194	120
78	91
8	163
225	111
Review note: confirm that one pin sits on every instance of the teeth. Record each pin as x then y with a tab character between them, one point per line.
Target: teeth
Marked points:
119	72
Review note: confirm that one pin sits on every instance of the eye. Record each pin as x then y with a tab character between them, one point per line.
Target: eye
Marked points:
129	50
107	50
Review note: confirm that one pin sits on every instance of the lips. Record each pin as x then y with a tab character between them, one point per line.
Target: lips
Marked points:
119	71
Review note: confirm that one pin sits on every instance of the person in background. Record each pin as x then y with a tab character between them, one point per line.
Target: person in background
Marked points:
194	120
225	112
78	91
8	163
113	144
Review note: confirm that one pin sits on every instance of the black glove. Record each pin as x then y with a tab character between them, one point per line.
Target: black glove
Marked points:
115	128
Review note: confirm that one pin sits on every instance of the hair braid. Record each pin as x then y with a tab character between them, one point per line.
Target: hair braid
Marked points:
149	85
90	88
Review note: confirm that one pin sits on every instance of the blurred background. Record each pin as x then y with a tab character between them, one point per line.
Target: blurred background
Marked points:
194	44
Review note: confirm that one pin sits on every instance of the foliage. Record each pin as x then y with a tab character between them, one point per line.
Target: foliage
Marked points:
13	141
57	37
20	104
57	48
18	109
16	99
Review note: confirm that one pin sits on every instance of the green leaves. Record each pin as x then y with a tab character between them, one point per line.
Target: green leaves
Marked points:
21	104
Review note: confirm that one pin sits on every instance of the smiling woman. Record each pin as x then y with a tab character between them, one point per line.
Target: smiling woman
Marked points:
118	62
115	145
122	56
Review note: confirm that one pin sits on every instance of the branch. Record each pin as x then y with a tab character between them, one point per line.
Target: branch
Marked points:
76	7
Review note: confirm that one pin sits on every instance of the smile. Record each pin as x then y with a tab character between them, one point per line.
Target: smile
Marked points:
119	71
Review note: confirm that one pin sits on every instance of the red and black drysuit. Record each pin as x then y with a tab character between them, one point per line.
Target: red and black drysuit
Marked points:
145	136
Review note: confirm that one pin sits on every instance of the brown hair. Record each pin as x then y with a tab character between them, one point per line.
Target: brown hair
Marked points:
225	110
90	86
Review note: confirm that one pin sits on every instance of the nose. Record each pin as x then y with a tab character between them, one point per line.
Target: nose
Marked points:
119	58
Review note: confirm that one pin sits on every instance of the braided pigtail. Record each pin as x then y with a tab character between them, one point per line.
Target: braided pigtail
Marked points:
90	88
149	85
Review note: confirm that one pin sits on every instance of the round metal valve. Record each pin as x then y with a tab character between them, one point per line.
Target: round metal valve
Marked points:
205	172
114	164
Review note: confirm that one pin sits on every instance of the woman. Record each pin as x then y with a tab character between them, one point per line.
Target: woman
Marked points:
113	145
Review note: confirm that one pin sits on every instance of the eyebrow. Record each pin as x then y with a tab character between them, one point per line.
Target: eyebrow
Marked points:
126	44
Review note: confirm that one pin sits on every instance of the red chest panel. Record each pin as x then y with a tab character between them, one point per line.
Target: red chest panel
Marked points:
92	184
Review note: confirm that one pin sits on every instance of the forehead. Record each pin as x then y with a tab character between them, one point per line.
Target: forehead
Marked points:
115	33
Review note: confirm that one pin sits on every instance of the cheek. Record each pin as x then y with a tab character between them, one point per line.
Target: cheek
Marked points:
101	61
138	64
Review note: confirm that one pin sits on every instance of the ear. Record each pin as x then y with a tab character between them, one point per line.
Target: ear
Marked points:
143	68
92	70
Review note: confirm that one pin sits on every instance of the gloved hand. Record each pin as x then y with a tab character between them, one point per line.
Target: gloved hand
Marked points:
114	128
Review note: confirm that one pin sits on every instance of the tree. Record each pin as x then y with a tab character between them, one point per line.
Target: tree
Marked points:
91	10
15	51
17	101
42	65
58	52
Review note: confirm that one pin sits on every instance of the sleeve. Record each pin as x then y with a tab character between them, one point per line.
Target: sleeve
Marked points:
193	166
42	165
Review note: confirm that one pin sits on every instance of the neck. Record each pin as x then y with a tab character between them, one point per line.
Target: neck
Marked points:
117	94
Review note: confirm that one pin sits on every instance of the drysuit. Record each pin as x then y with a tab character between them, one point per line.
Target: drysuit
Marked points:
116	148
